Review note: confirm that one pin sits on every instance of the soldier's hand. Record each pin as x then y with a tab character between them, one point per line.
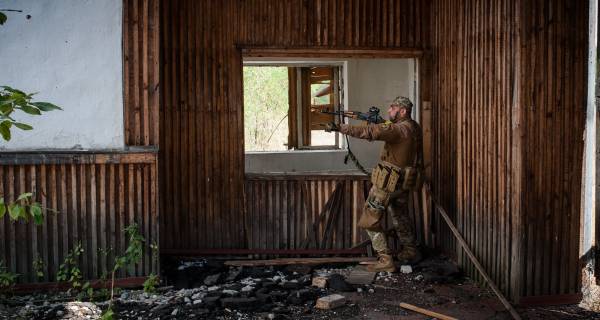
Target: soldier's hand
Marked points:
332	126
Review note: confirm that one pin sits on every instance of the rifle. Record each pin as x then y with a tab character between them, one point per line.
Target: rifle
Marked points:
371	116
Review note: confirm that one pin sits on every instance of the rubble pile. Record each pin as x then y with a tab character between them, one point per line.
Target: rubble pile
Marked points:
209	290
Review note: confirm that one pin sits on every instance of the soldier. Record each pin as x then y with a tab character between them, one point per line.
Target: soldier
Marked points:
392	178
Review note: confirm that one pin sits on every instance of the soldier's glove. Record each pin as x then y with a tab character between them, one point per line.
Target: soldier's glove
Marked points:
332	126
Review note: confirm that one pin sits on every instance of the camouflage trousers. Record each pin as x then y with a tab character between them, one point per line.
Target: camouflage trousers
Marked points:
397	207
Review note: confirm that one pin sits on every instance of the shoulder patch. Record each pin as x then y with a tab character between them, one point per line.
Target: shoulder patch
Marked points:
387	124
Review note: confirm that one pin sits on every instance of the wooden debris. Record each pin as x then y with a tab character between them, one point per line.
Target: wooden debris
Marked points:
331	302
286	261
426	312
476	263
319	282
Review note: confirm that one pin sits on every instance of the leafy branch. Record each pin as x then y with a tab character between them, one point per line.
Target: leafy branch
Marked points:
133	254
12	100
24	208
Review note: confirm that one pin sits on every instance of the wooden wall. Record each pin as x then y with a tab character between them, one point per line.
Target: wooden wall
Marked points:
97	192
141	72
96	196
553	100
508	110
299	212
201	123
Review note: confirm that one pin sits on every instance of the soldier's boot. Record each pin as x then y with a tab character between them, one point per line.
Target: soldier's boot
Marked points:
410	254
385	262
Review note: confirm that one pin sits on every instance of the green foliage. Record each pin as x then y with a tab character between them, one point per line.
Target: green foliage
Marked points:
69	270
151	283
266	108
12	100
3	18
86	290
133	253
38	267
24	208
7	278
108	314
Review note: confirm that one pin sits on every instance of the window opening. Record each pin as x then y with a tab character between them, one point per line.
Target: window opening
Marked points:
282	107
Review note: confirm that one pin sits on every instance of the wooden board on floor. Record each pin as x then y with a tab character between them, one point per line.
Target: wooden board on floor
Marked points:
287	261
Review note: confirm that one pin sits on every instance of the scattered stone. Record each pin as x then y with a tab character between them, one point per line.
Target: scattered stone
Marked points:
198	295
199	301
239	303
296	269
268	284
279	295
213	279
231	293
247	288
213	288
234	275
406	269
371	291
337	282
419	277
175	311
359	290
331	302
211	302
187	300
291	285
301	296
319	282
263	297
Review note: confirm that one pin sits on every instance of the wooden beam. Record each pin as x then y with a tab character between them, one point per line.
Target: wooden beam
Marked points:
426	312
144	155
475	262
288	261
200	252
281	52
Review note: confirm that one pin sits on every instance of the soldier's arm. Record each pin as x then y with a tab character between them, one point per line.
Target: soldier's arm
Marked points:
382	131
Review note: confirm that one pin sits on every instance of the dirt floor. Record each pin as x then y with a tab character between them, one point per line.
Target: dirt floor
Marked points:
215	291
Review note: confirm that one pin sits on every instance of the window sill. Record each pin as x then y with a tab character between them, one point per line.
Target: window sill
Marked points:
298	151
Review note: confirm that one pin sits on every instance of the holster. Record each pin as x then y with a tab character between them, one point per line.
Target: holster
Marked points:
374	209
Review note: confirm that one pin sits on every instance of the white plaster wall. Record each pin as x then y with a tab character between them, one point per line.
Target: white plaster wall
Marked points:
70	52
368	82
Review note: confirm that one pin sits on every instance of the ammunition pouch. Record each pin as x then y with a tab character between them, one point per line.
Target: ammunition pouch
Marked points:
386	176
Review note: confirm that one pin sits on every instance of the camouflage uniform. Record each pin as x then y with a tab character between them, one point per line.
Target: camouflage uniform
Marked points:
403	141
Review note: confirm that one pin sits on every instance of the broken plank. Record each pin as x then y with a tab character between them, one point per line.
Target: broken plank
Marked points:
286	261
426	312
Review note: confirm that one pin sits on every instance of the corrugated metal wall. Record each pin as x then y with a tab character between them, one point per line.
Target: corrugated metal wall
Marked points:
508	103
202	152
